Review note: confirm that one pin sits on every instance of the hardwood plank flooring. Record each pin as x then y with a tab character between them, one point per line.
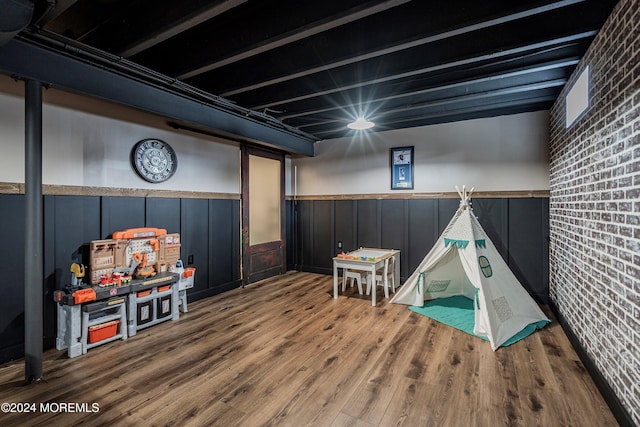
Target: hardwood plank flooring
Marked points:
283	352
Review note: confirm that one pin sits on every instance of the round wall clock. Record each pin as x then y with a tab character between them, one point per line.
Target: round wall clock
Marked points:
154	160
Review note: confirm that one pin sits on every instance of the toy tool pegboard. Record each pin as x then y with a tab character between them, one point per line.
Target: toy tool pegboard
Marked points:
102	259
151	248
136	246
169	251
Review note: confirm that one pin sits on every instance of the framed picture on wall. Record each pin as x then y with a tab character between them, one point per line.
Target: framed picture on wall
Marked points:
402	168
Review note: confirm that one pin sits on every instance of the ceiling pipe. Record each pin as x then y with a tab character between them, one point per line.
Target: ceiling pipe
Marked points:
15	16
81	75
55	42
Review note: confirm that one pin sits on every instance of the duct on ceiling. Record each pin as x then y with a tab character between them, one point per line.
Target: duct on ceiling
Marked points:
15	16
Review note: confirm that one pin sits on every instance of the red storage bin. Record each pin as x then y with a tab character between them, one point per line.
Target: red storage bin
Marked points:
103	331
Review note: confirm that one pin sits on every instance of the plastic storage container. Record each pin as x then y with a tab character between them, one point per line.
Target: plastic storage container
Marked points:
103	331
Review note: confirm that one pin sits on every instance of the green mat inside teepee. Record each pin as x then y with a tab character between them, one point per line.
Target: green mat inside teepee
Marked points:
457	311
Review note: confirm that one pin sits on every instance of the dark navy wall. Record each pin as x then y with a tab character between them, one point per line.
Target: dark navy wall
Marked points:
12	277
209	231
518	227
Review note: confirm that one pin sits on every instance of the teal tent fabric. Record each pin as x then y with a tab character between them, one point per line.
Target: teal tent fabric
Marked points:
456	242
457	311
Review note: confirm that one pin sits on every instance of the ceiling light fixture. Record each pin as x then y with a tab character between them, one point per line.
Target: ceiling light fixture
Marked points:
360	124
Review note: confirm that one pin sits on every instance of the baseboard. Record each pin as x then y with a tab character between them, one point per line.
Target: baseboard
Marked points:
195	296
312	269
619	412
10	353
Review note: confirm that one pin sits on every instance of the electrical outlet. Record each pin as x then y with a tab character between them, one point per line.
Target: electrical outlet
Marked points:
190	259
339	244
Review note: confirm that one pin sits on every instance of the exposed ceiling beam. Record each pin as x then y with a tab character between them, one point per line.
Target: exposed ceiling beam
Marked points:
530	70
298	34
458	99
171	28
408	45
55	8
70	73
453	115
552	44
501	105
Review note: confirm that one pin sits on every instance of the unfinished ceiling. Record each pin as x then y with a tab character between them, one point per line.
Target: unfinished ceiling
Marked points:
316	66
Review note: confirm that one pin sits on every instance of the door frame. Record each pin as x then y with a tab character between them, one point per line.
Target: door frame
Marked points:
247	274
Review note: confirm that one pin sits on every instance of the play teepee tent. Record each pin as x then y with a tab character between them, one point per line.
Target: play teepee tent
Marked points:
465	262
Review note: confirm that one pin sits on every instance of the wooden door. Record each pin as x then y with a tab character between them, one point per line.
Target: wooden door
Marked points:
263	210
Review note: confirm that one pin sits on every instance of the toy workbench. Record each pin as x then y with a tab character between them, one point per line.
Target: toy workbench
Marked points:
133	283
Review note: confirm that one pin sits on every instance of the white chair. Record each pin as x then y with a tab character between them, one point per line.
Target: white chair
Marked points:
385	278
353	276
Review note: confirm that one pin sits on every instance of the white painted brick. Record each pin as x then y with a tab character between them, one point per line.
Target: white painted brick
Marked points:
594	208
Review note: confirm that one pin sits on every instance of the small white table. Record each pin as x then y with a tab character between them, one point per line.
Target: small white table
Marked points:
369	260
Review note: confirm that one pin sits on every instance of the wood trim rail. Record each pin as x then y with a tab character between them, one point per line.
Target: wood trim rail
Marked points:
443	195
71	190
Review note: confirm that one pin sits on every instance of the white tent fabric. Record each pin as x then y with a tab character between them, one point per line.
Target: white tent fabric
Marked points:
464	261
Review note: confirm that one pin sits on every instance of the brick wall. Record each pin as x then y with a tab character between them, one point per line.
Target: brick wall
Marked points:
595	208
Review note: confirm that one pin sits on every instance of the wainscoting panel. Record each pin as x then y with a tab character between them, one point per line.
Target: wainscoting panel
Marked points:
368	226
209	228
394	232
12	278
322	226
422	232
224	244
446	209
528	255
346	226
493	215
194	238
121	213
518	227
165	211
71	222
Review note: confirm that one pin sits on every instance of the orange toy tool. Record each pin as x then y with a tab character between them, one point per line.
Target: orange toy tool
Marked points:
136	233
84	295
143	269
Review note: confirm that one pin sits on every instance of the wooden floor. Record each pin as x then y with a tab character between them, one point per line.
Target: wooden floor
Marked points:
283	352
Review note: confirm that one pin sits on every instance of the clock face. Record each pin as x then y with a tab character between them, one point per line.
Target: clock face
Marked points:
154	160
